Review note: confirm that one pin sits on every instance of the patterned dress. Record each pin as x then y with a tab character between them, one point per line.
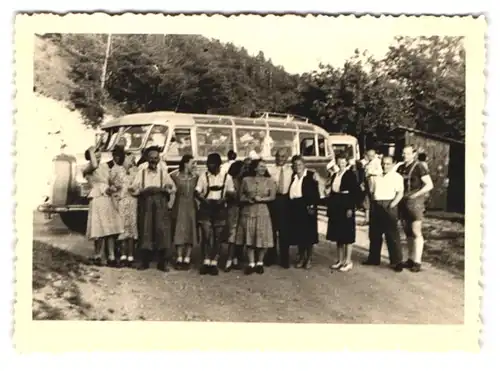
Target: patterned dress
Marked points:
104	219
255	227
128	206
184	210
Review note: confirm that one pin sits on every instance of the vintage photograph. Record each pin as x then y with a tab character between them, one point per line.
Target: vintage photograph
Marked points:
249	177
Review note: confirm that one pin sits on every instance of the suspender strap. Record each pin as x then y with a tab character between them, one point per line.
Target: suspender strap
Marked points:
143	178
223	186
161	178
208	184
409	175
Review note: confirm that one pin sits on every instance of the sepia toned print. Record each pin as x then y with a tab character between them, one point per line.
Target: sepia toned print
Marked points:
201	179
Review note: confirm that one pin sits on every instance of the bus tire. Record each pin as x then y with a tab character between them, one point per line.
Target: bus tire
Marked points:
61	181
75	221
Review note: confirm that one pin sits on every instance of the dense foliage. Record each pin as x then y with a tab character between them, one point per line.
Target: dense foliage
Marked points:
420	83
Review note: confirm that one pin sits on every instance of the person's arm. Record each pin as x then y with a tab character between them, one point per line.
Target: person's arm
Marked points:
135	187
271	195
400	188
93	164
244	196
426	179
200	188
229	190
353	188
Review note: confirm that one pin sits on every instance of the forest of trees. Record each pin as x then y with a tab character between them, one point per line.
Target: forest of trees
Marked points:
420	82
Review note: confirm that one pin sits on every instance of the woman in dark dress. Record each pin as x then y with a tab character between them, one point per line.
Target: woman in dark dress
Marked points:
304	198
342	190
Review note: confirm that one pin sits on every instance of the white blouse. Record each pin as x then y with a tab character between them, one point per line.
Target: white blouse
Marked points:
296	186
337	181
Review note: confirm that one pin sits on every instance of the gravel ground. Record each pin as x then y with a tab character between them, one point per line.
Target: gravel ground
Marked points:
65	287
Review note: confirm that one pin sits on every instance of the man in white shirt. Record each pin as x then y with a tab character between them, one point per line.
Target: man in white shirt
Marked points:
282	174
155	190
372	169
387	191
212	190
231	158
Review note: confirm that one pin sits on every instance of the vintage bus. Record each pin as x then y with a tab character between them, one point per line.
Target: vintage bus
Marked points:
178	134
346	144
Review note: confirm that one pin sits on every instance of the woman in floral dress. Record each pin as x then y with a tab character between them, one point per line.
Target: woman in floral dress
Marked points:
127	207
255	229
184	212
104	222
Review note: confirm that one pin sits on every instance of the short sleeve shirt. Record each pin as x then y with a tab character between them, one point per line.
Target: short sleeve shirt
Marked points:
412	175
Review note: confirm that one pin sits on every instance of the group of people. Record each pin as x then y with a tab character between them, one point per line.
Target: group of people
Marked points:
396	192
255	212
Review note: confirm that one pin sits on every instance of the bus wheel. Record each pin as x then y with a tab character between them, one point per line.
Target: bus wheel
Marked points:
75	221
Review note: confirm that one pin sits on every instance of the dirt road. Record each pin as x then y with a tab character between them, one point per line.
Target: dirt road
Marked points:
64	287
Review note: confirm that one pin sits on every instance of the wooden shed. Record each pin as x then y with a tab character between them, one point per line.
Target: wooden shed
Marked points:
446	160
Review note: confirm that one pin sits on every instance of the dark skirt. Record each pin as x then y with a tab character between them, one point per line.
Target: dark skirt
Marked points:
303	229
154	222
341	229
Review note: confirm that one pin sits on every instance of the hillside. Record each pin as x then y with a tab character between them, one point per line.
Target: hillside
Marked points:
420	82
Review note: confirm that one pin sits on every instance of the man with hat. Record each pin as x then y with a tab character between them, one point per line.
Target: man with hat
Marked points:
155	190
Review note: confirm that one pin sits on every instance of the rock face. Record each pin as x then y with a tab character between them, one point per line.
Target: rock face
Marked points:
58	130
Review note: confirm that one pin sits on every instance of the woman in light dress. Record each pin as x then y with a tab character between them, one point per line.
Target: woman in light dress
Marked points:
255	229
184	212
128	211
104	222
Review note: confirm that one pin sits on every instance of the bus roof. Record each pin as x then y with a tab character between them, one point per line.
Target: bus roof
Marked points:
162	117
342	138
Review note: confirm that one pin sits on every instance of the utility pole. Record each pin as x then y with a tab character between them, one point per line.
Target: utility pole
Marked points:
105	66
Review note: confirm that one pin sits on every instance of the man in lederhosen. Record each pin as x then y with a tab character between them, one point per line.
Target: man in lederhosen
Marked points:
417	184
212	190
155	190
282	174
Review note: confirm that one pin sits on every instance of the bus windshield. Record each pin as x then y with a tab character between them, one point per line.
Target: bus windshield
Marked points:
343	149
135	137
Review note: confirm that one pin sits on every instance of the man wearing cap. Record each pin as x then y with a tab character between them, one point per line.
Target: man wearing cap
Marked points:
155	190
212	190
387	191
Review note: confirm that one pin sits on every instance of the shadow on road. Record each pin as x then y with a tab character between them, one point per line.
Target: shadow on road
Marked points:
56	274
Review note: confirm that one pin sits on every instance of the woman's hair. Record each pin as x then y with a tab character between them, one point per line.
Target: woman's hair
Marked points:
422	157
184	160
235	170
297	158
253	168
341	156
119	152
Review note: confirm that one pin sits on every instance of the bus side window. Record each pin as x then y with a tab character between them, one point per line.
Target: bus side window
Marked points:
214	139
180	143
307	144
322	144
282	139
